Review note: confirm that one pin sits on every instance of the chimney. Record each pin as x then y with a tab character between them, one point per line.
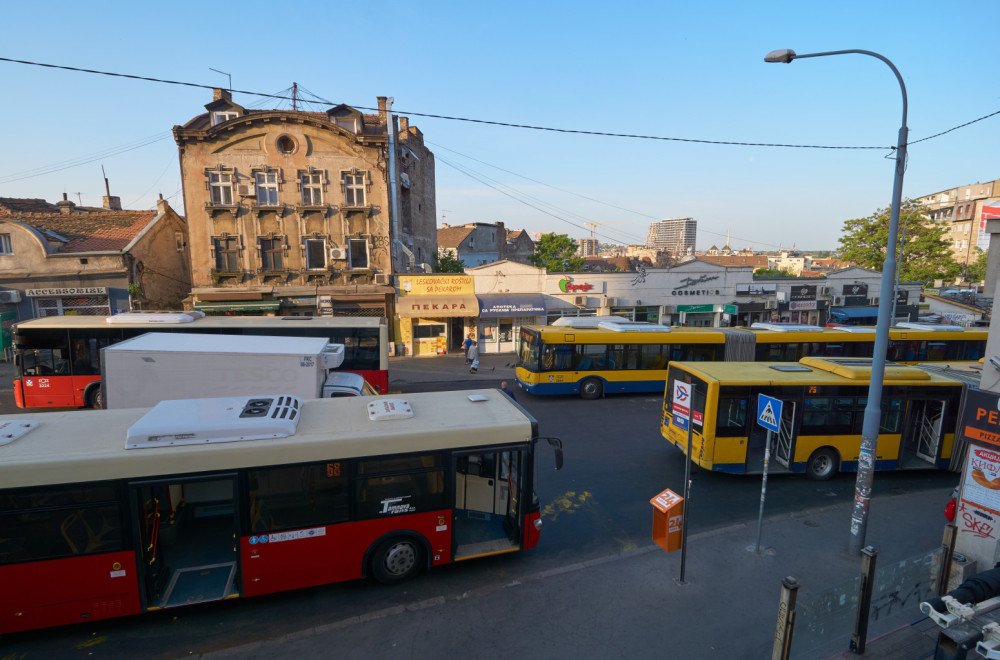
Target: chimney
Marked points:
162	205
381	108
110	202
65	206
223	94
404	125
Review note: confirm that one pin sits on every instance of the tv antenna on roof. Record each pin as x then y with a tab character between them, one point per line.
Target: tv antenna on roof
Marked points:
225	74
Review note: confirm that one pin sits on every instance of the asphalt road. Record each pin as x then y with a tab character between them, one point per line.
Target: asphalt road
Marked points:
596	507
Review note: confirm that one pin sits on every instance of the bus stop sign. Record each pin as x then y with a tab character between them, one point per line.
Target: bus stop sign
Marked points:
769	412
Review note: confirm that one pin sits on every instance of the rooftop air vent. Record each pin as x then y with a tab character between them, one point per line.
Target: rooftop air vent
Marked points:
154	317
207	421
630	326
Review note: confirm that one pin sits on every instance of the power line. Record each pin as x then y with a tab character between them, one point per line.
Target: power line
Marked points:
486	121
515	192
632	238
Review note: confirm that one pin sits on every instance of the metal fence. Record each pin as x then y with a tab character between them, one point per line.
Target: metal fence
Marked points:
825	620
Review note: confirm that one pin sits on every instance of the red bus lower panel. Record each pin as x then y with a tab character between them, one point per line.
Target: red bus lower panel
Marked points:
63	591
279	561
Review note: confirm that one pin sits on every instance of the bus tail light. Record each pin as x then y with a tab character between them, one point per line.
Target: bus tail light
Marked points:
538	524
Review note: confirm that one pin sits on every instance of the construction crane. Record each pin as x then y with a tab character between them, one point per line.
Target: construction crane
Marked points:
594	225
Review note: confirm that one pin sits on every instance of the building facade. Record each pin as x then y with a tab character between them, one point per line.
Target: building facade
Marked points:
965	209
677	235
304	213
478	243
59	259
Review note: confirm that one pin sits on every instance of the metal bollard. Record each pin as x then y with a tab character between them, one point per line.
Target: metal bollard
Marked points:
860	635
786	620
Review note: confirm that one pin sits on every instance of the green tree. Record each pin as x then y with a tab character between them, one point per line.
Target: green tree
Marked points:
976	271
926	254
554	252
773	272
446	263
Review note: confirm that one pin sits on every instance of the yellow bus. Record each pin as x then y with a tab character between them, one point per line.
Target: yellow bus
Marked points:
822	414
594	356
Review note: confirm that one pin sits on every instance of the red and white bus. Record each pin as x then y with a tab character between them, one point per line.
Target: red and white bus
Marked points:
118	512
58	365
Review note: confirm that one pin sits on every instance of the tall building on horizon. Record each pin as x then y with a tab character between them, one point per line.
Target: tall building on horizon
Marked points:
587	247
674	234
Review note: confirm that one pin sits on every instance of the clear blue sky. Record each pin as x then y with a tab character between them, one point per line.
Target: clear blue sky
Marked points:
668	69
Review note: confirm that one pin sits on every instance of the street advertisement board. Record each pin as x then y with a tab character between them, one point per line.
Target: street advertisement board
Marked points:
682	405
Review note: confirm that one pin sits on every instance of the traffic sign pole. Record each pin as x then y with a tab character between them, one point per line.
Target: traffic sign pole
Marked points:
769	416
763	488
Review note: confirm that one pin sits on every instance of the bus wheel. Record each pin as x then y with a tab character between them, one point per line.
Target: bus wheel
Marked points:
822	464
397	559
591	388
95	399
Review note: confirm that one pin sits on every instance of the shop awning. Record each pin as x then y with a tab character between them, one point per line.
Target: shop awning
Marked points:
510	304
431	307
236	306
854	312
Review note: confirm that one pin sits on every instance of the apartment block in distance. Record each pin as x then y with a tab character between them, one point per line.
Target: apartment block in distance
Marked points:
677	235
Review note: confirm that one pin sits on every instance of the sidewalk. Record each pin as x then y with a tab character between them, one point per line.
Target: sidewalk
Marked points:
809	546
630	606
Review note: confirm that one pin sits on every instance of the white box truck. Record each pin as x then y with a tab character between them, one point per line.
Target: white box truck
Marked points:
158	366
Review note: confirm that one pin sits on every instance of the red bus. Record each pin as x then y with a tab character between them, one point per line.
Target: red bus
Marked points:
58	358
118	512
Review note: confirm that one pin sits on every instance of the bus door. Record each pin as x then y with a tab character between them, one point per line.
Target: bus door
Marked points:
487	516
784	439
187	533
922	432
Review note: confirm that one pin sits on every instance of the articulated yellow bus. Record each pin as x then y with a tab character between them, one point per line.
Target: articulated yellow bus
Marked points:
823	406
612	355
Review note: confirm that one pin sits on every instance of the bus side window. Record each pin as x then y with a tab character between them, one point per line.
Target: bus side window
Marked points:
732	417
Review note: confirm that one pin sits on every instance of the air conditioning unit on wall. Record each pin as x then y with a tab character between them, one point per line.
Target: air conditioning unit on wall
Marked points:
338	254
10	296
610	302
246	190
580	301
382	278
771	304
838	301
825	290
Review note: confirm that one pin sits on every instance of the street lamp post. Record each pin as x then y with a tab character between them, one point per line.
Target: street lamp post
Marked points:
873	410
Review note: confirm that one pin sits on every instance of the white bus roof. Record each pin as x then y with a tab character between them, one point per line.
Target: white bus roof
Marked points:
207	322
588	321
190	342
89	445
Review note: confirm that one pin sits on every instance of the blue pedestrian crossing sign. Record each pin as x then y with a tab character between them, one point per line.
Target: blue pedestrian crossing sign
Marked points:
769	412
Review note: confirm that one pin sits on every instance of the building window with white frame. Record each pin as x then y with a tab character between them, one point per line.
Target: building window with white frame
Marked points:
358	253
315	253
312	188
354	188
5	245
267	188
220	185
223	116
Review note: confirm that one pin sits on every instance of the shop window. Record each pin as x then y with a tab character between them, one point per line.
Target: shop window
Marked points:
428	330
